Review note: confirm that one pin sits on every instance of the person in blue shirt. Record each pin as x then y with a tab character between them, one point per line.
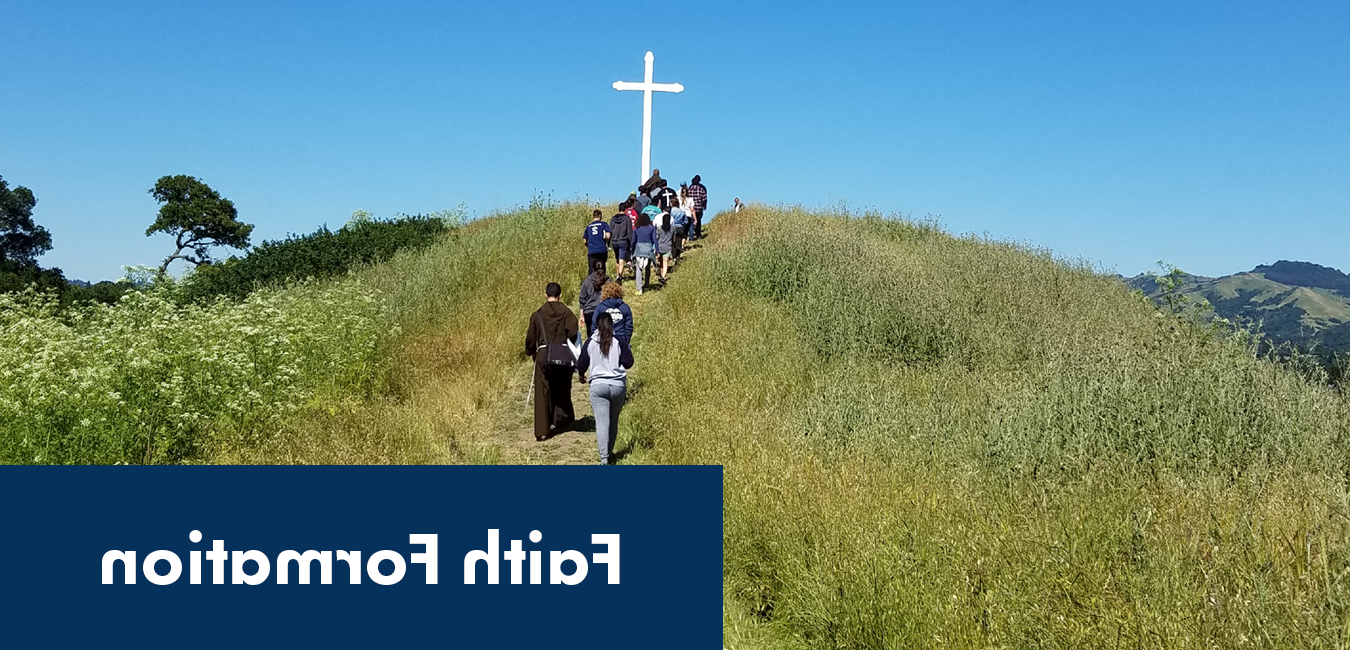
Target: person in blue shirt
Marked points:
620	315
596	236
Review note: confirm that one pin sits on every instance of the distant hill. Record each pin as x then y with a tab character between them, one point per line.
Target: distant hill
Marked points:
1295	302
1306	274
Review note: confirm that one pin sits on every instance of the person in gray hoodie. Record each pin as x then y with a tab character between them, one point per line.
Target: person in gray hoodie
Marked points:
621	238
590	295
608	359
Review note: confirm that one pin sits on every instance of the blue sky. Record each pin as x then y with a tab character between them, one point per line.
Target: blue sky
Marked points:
1215	136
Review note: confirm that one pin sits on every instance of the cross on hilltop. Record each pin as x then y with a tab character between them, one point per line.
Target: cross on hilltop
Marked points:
647	88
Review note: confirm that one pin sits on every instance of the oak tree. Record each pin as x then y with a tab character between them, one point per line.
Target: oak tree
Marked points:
21	240
197	217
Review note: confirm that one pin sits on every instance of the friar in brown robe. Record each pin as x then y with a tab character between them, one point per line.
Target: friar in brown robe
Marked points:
552	323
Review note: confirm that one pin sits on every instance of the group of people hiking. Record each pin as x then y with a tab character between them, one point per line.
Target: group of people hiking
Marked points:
652	228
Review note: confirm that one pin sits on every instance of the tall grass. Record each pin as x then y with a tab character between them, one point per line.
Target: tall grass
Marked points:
461	307
954	442
150	381
403	361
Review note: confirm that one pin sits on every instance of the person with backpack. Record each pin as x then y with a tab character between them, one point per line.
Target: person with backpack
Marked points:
546	341
589	296
596	235
620	316
608	358
621	239
644	250
699	194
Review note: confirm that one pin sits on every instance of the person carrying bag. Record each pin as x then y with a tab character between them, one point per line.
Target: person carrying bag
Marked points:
551	329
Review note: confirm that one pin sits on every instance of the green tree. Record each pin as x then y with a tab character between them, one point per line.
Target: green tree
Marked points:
197	217
21	240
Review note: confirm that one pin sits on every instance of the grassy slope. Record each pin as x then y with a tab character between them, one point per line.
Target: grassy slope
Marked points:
928	441
461	306
952	442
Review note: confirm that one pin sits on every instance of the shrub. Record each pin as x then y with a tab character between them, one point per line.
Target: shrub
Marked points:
321	254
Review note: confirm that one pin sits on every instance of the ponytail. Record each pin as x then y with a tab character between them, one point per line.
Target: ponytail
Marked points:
598	276
604	325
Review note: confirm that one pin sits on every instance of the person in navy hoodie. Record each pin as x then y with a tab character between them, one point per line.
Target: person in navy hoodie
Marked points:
596	236
612	303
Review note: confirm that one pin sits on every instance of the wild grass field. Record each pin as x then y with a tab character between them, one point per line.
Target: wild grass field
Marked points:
399	362
933	441
928	441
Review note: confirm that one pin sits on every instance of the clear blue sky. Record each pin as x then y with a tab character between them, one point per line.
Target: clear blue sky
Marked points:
1213	135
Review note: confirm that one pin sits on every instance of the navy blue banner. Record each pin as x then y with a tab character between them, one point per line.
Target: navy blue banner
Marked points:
559	557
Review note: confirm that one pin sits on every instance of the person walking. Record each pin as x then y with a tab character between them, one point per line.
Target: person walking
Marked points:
619	313
644	251
738	205
681	220
632	210
551	327
621	239
653	183
608	358
596	235
665	237
652	211
699	194
589	296
666	196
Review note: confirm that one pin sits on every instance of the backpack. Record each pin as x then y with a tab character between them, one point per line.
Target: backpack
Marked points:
557	354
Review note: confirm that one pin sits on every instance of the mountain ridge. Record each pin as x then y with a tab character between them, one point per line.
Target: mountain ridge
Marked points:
1292	302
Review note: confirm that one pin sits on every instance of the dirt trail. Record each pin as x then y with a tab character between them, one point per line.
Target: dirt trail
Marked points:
577	445
573	447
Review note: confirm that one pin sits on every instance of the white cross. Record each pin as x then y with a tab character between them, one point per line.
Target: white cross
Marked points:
647	87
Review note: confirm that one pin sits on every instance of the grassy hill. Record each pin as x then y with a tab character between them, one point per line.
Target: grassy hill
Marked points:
947	442
1298	303
929	441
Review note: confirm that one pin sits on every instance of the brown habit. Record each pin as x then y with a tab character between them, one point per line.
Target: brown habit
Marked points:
552	323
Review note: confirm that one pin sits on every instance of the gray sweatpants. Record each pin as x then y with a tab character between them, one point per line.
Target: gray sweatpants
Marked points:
606	402
642	270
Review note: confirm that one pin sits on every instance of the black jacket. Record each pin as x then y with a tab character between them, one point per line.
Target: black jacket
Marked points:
621	229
